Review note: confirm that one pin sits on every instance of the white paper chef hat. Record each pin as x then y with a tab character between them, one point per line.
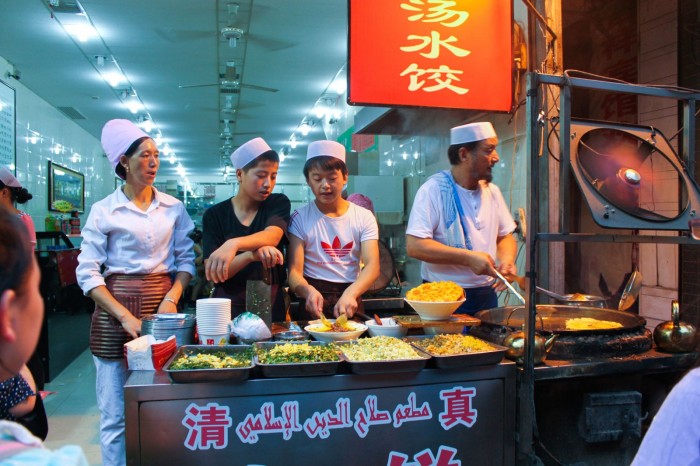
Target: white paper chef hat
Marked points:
117	137
472	132
330	148
8	179
248	152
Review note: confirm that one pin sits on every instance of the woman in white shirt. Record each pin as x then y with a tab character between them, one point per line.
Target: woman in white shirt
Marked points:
140	236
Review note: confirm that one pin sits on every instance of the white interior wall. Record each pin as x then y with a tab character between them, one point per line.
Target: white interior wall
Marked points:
32	160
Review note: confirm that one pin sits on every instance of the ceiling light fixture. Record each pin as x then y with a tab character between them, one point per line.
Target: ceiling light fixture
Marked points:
232	35
82	32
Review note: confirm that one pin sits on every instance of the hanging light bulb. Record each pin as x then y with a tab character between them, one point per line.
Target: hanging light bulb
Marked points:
305	128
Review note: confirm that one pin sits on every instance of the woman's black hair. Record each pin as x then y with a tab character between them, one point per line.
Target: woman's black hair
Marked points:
269	155
15	252
453	151
119	169
19	195
324	163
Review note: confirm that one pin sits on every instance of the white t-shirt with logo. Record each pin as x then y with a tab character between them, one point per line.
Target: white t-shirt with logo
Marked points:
332	244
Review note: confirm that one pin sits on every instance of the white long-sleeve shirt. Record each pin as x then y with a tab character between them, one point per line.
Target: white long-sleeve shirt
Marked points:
127	240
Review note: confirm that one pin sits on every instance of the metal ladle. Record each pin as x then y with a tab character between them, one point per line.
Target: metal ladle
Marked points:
552	294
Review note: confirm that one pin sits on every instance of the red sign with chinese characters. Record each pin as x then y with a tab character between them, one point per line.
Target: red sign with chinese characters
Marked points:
431	53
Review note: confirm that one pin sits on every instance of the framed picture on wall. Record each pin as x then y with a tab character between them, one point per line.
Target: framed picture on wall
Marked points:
66	189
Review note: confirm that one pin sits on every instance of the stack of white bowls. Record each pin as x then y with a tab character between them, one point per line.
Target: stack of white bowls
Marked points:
213	317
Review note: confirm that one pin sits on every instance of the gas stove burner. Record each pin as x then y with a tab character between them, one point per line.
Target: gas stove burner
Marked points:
631	178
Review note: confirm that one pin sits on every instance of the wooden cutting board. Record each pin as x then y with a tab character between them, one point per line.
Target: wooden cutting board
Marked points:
414	321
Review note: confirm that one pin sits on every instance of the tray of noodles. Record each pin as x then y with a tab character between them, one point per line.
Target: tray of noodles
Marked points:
454	351
382	355
296	358
203	363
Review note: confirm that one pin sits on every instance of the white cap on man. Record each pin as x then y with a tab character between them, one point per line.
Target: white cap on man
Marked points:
329	148
472	132
248	152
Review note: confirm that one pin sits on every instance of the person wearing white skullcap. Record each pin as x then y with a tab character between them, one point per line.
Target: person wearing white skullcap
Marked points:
460	226
328	238
140	236
243	235
11	192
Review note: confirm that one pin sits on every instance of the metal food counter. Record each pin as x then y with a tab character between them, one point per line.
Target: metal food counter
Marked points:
429	417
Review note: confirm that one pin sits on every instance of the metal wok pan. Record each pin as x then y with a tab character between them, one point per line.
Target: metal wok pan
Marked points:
553	318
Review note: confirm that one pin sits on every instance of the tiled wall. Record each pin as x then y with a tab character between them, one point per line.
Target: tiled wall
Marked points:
39	128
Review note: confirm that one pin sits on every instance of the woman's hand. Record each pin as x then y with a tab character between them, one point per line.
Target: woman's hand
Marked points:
269	256
131	324
167	307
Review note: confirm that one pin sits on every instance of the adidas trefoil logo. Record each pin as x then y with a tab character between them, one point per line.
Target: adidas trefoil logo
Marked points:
335	250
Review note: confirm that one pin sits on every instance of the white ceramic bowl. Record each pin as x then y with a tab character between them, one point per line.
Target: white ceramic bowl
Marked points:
434	311
330	337
389	328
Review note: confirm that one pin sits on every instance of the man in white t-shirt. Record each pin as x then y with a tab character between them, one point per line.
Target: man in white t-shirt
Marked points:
460	222
328	238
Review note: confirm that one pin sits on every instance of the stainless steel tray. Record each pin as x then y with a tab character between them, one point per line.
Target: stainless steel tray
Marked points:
387	366
461	360
208	375
300	369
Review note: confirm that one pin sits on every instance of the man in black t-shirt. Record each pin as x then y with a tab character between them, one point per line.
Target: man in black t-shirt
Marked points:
246	233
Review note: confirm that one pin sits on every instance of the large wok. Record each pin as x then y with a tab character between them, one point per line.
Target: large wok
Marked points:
553	318
631	338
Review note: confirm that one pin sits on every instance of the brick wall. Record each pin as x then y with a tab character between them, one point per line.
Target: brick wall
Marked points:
689	76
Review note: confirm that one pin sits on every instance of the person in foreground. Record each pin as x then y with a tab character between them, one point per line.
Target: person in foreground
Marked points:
243	235
141	237
21	315
329	237
459	223
674	434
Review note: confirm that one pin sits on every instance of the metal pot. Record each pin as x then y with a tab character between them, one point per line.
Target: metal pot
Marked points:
515	342
674	335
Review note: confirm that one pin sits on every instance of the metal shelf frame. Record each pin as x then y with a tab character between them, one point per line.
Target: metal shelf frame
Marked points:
535	125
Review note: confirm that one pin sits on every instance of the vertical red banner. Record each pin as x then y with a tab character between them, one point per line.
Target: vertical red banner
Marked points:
431	53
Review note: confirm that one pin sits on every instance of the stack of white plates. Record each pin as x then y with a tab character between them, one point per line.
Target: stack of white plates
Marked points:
213	317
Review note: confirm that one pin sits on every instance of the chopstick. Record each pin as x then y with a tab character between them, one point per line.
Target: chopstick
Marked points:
510	287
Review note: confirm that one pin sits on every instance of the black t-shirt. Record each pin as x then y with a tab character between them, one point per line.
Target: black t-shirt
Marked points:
220	224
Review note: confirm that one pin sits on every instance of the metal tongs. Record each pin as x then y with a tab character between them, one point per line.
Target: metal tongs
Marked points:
510	287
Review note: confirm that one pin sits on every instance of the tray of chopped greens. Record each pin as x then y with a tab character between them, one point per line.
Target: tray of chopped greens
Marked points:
383	355
203	363
456	350
296	358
